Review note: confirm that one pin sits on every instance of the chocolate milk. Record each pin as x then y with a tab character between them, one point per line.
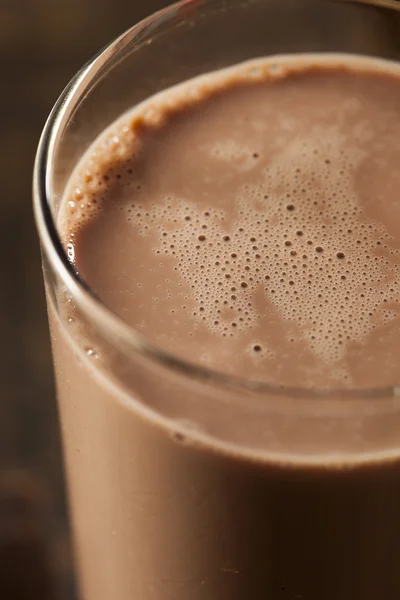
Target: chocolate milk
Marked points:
247	222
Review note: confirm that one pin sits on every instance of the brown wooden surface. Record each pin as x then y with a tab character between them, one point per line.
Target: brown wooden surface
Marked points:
42	44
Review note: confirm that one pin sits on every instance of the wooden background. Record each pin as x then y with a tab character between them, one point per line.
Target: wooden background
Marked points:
42	44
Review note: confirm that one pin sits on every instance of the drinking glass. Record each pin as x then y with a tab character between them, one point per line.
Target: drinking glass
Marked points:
164	507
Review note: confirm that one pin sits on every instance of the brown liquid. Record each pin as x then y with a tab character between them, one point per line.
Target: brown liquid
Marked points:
248	221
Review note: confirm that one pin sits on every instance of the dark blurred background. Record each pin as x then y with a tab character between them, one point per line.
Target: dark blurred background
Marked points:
42	44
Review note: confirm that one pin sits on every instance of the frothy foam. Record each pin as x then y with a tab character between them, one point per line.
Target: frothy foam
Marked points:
299	237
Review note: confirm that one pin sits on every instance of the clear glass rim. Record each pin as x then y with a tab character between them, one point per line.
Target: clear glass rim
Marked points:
83	295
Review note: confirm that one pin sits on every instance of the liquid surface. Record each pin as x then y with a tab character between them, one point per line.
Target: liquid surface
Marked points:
250	220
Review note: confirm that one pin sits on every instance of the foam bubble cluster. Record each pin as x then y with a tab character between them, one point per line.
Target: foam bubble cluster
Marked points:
107	162
298	239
